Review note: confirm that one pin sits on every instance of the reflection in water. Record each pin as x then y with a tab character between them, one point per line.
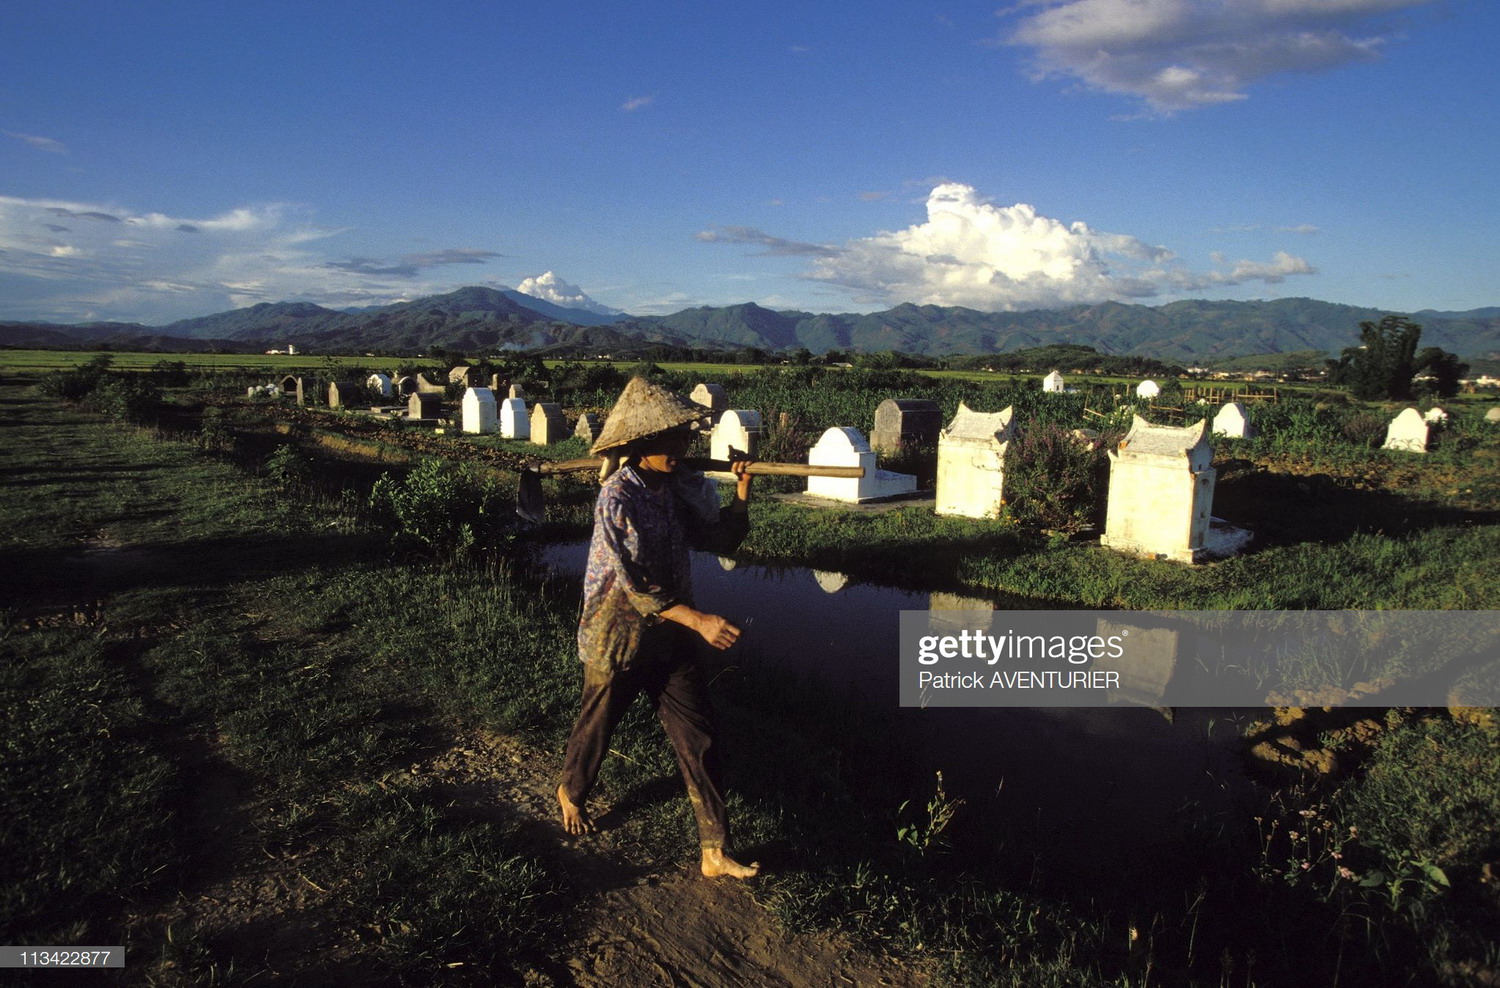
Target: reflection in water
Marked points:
829	581
1102	787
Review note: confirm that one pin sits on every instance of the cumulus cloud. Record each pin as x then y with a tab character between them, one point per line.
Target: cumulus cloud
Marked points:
152	267
1180	54
40	143
637	103
550	288
973	253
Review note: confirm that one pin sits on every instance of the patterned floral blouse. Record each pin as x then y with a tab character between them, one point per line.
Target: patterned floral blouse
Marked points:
639	562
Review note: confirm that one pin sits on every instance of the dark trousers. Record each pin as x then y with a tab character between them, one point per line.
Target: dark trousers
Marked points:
669	671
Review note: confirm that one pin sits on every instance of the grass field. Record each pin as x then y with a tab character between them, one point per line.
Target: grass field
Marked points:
15	361
237	665
41	361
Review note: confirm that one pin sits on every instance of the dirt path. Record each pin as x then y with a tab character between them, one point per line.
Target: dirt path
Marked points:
631	925
636	926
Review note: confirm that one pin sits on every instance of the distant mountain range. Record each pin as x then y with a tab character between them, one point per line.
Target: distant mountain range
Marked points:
477	320
1184	332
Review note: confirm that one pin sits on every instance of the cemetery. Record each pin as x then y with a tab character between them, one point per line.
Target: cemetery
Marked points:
1340	516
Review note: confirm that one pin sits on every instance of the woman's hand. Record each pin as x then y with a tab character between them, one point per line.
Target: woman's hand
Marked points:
743	479
717	631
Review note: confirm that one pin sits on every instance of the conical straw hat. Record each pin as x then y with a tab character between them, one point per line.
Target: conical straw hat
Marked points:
644	409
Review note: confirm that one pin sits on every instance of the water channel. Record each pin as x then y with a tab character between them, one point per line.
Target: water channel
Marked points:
1088	790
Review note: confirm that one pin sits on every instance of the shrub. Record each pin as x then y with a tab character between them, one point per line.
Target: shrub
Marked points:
1364	429
443	507
1052	478
125	397
170	373
79	383
287	466
213	435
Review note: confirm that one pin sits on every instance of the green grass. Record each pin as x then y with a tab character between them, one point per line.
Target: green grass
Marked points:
243	671
29	362
237	640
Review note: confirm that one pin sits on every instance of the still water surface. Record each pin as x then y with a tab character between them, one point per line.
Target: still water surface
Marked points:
1087	790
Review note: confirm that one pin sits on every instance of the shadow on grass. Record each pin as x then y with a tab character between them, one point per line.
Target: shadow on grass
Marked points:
1286	509
33	574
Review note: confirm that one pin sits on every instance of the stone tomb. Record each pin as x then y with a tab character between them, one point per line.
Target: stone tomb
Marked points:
293	385
548	423
465	375
1436	416
1161	492
845	447
406	386
903	422
347	393
589	424
513	421
971	463
425	386
479	414
737	429
1493	415
1147	389
1053	383
711	397
1407	432
1233	422
516	391
424	407
381	383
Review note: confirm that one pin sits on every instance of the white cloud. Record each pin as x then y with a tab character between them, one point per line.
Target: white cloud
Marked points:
637	103
40	143
550	288
172	267
1179	54
973	253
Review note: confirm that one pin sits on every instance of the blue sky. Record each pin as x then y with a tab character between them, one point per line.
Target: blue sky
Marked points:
163	160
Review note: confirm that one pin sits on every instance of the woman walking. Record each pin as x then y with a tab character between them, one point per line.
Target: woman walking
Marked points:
640	631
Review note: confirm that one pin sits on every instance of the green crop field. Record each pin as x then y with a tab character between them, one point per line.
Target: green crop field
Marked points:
42	361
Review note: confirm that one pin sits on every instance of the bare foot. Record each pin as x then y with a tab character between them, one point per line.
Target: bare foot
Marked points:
718	864
576	819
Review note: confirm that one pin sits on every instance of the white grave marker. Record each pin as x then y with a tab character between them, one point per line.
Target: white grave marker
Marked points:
1232	422
548	423
479	414
738	429
846	447
711	397
513	421
1161	492
587	429
971	463
1407	432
